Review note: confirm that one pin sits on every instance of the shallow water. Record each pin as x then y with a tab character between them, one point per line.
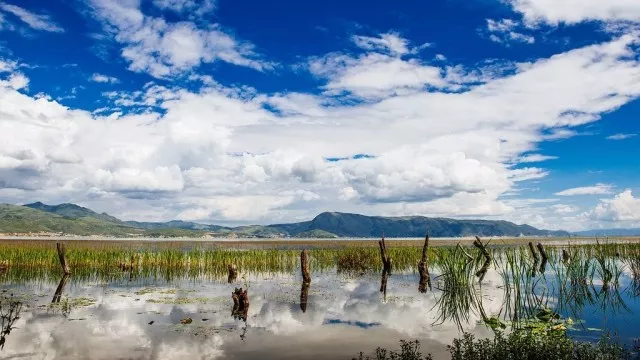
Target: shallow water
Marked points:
139	318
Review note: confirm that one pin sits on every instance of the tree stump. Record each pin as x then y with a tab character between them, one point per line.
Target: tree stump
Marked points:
63	259
423	268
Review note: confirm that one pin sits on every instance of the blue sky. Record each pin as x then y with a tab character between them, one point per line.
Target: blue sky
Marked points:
240	112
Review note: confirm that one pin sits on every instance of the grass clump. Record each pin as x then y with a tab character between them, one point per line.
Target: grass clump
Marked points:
409	350
533	346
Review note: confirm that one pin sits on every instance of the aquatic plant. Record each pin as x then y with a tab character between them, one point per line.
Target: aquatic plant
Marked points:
409	350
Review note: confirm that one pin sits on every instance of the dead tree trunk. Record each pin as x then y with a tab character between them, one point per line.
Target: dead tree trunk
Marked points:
304	267
386	260
233	273
63	258
423	268
487	258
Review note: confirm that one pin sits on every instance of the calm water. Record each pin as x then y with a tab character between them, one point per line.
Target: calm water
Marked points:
140	318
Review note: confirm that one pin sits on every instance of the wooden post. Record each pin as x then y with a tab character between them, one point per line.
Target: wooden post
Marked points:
63	258
533	252
487	262
423	268
383	284
233	273
386	260
304	267
240	304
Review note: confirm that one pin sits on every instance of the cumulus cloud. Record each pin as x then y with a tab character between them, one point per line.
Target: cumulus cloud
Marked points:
598	189
533	158
238	155
164	49
621	136
34	21
624	207
576	11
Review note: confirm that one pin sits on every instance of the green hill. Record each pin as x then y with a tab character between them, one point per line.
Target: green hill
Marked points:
78	220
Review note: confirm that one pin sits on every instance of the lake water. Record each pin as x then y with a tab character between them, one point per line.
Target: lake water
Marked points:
140	318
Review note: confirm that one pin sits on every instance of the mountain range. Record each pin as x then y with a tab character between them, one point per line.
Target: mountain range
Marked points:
77	220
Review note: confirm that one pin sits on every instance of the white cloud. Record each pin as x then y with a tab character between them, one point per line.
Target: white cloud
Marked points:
565	209
575	11
219	154
165	49
624	207
504	31
35	21
197	7
100	78
621	136
598	189
391	43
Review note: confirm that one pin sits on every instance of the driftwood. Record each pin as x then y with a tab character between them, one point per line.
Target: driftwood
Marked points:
423	268
386	260
304	294
233	273
304	267
487	257
63	258
60	289
240	304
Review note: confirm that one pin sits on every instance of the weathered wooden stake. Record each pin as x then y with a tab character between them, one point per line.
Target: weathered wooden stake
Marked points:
233	273
383	284
533	252
304	267
63	258
386	260
423	268
487	262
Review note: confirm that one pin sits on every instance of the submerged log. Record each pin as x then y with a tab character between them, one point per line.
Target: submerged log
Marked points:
304	267
233	273
487	258
386	260
423	268
63	259
240	304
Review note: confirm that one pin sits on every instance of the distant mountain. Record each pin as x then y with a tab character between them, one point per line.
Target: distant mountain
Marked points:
74	219
609	232
354	225
73	211
22	219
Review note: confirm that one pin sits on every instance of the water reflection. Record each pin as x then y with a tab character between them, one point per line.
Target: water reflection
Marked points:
9	313
141	318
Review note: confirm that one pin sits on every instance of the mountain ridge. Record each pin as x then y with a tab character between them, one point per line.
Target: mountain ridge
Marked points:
77	220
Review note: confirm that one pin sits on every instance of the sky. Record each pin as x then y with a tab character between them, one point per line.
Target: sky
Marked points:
255	112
